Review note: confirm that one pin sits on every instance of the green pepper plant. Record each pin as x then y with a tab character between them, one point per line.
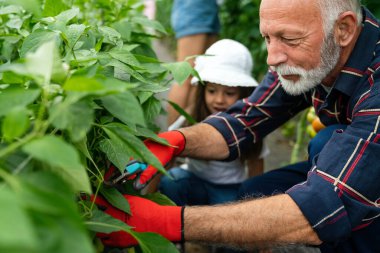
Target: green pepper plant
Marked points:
78	80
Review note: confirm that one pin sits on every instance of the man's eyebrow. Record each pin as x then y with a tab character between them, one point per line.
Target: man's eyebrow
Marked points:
283	33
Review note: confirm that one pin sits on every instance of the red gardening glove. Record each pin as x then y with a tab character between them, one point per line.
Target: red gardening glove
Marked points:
147	216
164	154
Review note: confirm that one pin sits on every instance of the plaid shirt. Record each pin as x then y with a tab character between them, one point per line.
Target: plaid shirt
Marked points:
341	196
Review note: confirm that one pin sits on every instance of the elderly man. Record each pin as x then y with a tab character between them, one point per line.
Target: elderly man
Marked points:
323	53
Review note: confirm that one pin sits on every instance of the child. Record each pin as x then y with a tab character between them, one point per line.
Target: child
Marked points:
226	73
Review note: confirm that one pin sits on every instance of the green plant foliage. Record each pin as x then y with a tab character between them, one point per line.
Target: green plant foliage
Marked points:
78	80
163	12
373	6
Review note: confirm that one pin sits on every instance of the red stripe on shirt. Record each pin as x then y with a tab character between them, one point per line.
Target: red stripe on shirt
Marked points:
362	226
357	71
271	87
357	159
367	113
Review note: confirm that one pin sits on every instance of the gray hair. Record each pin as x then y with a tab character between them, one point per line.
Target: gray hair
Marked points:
331	9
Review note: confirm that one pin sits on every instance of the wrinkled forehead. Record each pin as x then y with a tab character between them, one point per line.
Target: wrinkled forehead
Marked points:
302	13
295	9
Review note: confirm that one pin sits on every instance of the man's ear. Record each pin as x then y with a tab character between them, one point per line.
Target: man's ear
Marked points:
346	28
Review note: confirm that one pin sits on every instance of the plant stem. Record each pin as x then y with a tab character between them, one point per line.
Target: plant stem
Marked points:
15	184
38	129
15	145
22	165
301	126
40	126
95	195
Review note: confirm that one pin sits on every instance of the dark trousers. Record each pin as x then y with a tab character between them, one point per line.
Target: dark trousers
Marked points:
280	180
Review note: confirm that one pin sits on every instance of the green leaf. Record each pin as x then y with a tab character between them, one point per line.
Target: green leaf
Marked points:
66	16
82	84
76	118
32	6
15	123
96	86
16	161
180	70
74	238
41	64
152	87
53	7
10	45
147	133
125	68
118	152
115	198
124	28
145	22
88	71
143	96
12	78
125	57
153	68
43	61
104	223
121	74
147	59
113	85
136	148
152	108
16	233
63	159
47	193
10	98
73	34
181	111
36	39
110	35
15	22
61	235
82	147
10	9
47	197
125	107
83	58
160	199
153	243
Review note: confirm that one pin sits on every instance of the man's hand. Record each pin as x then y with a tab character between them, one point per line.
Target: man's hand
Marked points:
147	216
164	154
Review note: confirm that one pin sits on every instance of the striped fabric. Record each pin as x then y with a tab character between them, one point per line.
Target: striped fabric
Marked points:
341	196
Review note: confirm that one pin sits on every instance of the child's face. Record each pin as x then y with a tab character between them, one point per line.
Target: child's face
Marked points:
219	97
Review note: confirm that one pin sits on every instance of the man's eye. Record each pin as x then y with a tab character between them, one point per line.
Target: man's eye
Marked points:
291	41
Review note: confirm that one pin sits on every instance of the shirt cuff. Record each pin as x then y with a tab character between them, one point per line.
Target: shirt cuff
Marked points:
232	131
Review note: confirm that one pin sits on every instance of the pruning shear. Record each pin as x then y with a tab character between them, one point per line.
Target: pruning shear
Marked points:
132	168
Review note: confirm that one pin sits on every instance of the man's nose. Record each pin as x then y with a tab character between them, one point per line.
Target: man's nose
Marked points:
276	54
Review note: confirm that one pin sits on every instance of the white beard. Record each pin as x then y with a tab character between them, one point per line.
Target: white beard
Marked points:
330	53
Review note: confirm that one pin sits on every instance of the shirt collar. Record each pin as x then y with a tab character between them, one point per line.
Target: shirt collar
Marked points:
361	56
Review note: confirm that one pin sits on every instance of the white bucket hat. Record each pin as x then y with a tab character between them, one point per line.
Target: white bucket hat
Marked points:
227	62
